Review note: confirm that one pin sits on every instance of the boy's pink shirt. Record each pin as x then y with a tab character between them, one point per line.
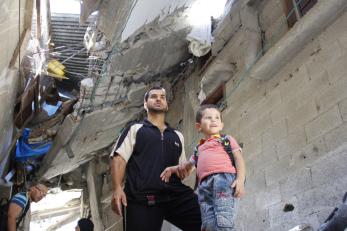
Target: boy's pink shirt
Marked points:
213	158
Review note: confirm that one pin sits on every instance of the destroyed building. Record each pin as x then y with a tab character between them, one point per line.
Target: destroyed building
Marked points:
277	69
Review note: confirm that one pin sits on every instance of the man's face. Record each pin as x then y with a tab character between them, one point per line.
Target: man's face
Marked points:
156	102
38	192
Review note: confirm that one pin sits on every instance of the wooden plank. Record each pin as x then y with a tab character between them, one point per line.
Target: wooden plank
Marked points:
20	48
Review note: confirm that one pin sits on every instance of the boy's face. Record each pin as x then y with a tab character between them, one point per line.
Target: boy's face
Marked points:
211	122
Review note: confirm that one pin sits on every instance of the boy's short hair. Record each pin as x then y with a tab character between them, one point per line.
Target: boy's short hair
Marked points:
151	89
202	108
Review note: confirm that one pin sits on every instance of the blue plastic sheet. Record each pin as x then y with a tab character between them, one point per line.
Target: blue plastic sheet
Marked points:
25	151
51	109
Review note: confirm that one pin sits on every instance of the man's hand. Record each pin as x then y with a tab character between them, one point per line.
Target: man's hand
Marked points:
118	198
166	174
239	186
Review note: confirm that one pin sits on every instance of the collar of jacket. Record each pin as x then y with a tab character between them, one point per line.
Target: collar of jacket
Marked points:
148	123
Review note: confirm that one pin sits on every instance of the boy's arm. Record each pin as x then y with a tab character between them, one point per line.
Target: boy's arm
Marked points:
185	169
240	165
241	174
181	170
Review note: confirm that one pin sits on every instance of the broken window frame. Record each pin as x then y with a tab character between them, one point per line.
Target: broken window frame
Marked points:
217	96
296	9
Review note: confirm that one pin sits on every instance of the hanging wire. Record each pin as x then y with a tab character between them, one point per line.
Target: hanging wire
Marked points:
73	55
82	113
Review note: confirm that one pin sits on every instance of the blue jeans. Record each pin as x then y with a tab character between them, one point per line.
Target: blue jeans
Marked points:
217	203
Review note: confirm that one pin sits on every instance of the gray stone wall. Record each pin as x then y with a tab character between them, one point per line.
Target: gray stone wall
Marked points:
294	132
293	128
272	20
10	27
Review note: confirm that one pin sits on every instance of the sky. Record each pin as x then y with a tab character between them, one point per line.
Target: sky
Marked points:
65	6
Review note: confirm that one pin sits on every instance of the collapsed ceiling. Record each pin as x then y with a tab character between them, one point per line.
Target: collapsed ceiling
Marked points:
139	44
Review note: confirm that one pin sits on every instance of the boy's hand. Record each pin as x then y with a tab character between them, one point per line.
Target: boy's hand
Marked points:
182	171
166	174
239	186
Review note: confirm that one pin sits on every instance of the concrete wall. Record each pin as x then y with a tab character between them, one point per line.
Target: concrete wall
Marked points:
10	27
294	131
9	33
272	20
293	127
7	98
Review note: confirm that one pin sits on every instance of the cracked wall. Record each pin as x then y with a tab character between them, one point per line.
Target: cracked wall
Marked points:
293	128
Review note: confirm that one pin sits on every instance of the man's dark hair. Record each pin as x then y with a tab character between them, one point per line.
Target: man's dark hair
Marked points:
201	110
151	89
85	224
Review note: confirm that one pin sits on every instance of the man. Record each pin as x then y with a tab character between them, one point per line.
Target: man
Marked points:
141	153
20	204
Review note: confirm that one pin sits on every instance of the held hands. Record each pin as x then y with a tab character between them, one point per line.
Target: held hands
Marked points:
183	171
166	174
180	170
118	198
239	186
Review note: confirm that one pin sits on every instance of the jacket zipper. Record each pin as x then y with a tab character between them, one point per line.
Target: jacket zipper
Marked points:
162	142
162	149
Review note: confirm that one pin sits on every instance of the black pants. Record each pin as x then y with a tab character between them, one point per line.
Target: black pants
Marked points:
181	210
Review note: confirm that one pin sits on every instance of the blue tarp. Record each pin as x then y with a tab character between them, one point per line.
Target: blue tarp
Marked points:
51	109
24	150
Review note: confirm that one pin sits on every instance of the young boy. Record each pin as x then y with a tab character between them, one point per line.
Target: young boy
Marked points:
221	182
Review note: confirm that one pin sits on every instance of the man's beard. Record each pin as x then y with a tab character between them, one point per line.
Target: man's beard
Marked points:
158	111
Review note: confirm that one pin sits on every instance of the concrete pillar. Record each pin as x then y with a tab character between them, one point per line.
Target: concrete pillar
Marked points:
94	196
